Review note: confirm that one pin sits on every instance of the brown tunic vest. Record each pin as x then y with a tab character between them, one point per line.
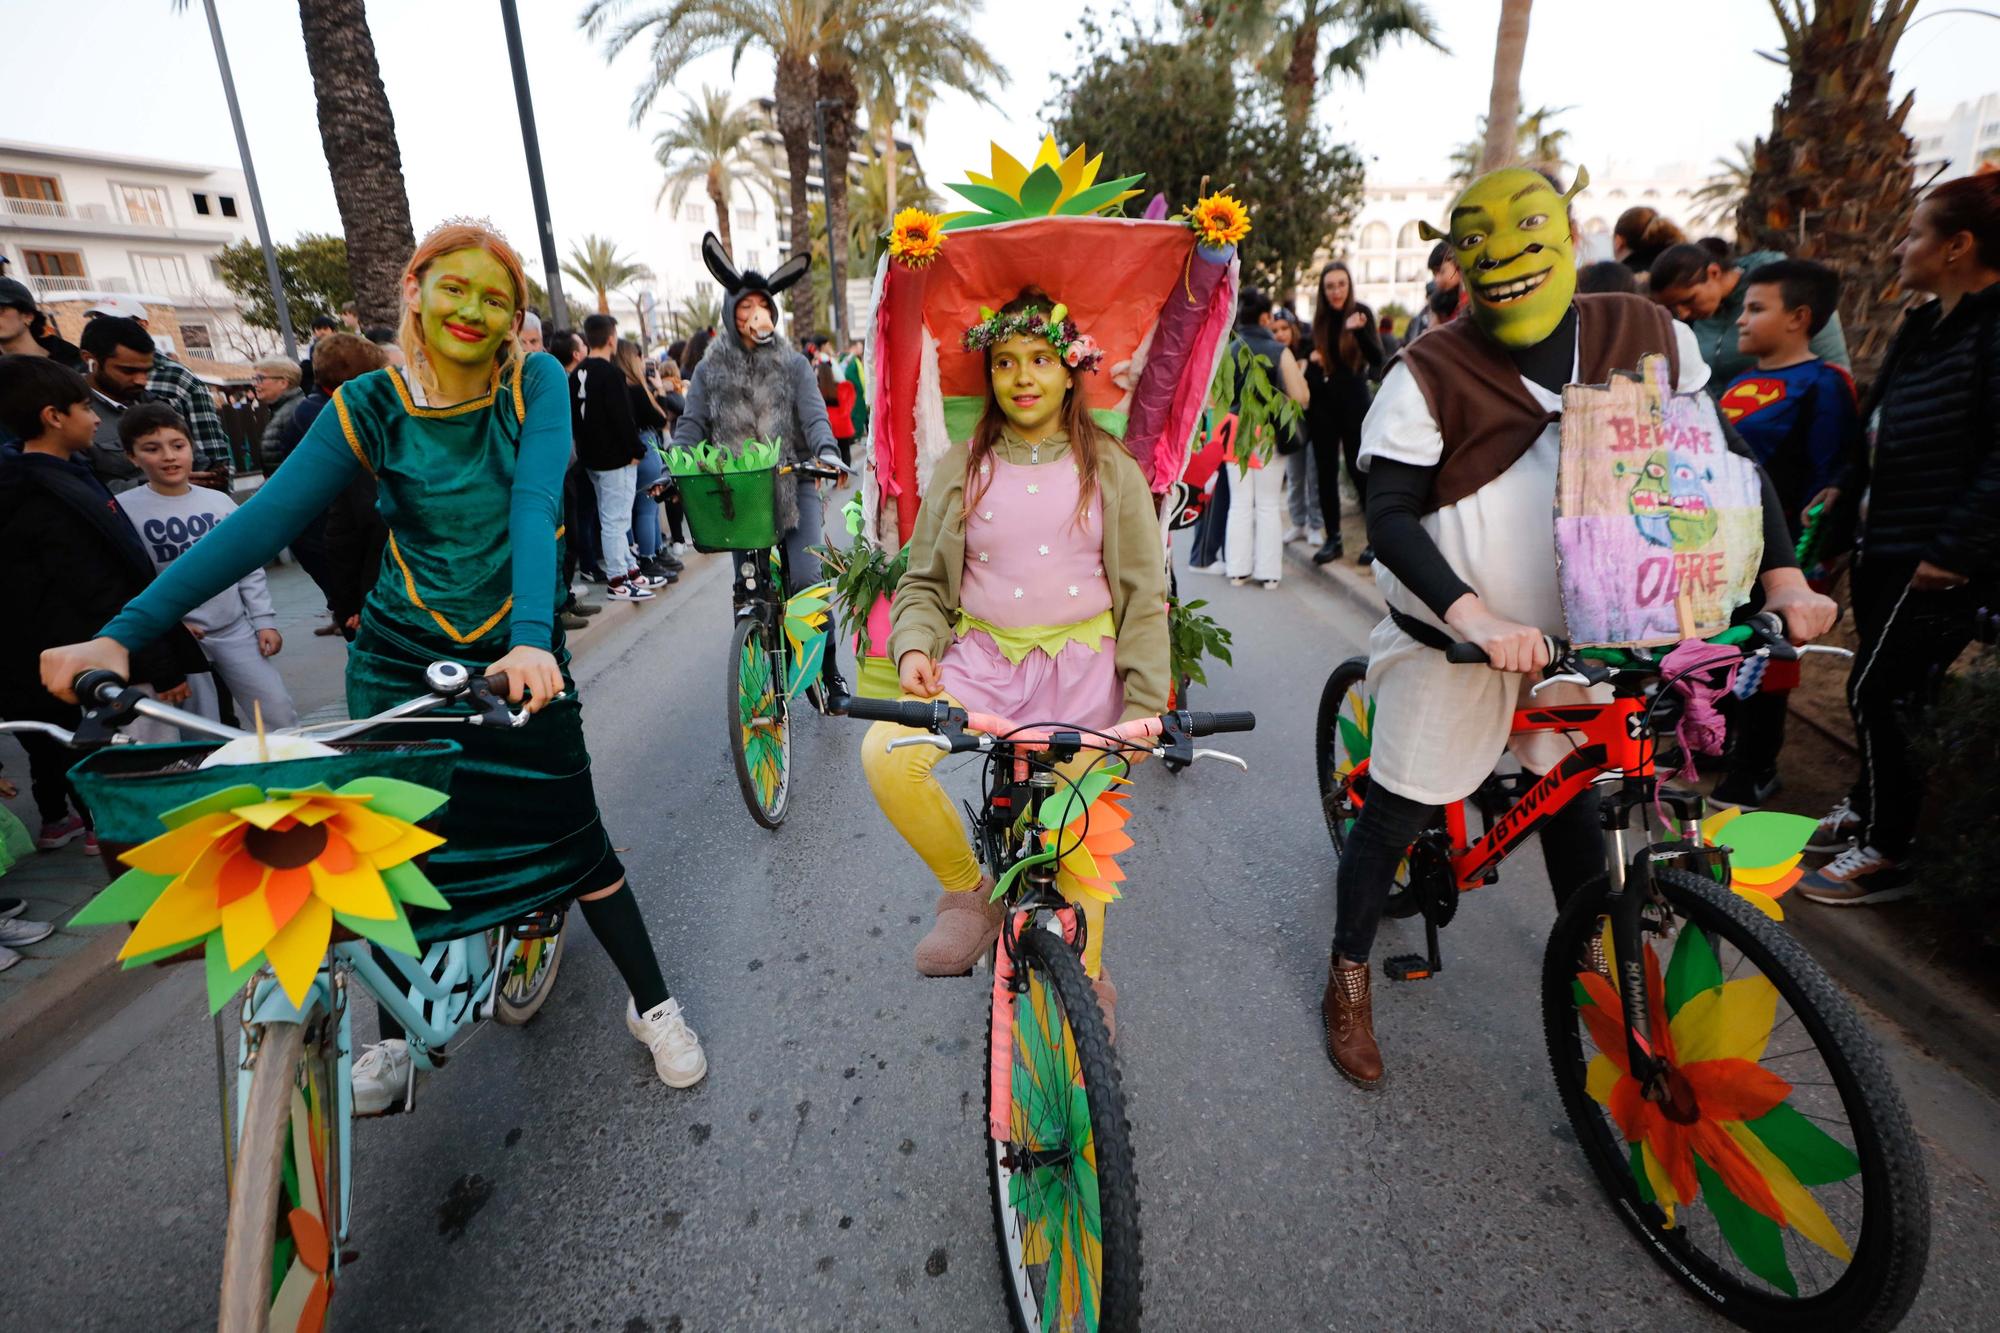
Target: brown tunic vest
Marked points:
1485	413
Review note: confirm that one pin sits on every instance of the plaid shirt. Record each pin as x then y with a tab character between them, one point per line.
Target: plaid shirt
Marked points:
173	383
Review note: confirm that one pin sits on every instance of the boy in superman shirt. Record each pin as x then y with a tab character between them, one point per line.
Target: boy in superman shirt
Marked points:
1799	414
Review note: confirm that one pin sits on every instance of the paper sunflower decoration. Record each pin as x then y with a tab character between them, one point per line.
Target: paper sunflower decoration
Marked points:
916	237
1765	848
1737	1145
1219	219
1056	186
1086	822
259	877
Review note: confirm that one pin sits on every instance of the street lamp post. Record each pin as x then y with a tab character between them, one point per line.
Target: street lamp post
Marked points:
832	242
271	274
531	146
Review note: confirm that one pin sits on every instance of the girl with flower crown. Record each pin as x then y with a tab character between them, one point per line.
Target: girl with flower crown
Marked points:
1036	590
469	449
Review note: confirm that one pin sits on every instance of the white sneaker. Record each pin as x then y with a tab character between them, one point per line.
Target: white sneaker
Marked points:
18	933
677	1054
381	1077
679	549
1317	537
1219	567
1294	533
628	591
1838	831
8	958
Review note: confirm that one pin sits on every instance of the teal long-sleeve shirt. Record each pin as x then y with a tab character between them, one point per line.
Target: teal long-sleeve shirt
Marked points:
321	467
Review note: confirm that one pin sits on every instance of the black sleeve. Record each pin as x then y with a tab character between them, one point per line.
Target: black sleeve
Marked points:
1369	338
1396	495
622	428
1778	552
1966	542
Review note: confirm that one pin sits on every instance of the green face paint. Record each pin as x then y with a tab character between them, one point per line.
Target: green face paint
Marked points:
1510	232
1029	381
465	306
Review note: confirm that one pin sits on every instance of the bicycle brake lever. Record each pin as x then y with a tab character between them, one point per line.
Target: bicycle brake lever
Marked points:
935	742
1566	678
1226	758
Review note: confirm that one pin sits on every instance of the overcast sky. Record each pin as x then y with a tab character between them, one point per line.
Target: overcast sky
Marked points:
136	76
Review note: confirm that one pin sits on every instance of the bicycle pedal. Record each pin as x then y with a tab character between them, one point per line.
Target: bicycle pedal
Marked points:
1406	967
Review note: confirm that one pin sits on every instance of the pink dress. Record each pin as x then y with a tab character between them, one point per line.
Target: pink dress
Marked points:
1036	574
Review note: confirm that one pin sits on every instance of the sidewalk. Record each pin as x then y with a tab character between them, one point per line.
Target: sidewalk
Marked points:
71	970
1898	958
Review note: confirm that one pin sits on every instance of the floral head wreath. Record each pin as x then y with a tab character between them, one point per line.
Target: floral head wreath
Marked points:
1079	351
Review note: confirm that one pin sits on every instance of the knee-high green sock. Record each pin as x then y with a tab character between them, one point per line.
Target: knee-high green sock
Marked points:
622	931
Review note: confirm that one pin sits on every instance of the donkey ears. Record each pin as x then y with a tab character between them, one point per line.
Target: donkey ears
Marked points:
789	272
717	259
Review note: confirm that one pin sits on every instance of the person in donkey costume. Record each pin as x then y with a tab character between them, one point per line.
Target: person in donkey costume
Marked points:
752	385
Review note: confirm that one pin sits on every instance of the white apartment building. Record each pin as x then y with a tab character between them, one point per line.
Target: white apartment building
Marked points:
76	224
1959	143
1387	251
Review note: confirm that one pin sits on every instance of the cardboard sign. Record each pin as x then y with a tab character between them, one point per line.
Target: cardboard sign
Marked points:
1659	528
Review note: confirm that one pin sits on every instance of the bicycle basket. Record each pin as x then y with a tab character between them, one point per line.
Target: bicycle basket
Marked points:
731	511
128	788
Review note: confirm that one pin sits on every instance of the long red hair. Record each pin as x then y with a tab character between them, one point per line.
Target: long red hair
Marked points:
1087	439
444	240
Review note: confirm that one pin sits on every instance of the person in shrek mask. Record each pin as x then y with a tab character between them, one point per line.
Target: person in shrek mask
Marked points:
1460	448
468	448
1036	590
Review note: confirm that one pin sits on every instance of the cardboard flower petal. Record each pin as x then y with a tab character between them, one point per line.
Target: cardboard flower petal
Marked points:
1765	849
805	626
1086	824
260	877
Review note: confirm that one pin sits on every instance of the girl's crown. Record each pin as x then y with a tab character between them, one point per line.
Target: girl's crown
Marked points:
1078	349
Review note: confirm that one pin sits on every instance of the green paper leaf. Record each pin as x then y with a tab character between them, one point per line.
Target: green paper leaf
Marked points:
1581	996
123	899
412	888
1766	837
223	983
396	798
998	204
1040	191
1098	196
1693	970
228	798
391	934
961	416
856	518
1757	1241
1352	740
1813	1155
1639	1171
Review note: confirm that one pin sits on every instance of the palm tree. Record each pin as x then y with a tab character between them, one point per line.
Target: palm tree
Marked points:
596	263
358	133
712	143
1538	142
1832	182
1504	104
900	72
875	195
1721	195
695	313
1283	38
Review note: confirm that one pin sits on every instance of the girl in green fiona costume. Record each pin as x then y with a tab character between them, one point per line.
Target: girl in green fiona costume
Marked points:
468	448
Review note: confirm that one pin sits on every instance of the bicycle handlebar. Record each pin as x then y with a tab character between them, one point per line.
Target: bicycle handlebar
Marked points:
1762	633
902	712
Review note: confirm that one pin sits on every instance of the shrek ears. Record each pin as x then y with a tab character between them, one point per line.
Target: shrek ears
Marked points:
789	272
1430	233
1579	185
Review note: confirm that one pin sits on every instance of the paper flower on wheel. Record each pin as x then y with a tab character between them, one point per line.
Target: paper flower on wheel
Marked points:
1085	824
259	877
1726	1132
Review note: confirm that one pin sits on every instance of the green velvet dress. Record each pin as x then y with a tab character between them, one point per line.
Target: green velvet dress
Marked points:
472	495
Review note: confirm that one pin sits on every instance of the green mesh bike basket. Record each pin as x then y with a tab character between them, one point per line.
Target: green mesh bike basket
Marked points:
731	511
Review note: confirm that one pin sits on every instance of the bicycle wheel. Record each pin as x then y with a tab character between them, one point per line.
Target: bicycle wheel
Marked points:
1343	737
277	1264
1065	1201
531	976
760	735
1779	1179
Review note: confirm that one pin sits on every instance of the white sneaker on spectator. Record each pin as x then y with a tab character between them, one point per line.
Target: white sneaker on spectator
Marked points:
1294	533
677	1053
1838	830
628	591
8	958
1317	537
1219	567
19	932
680	548
11	907
381	1077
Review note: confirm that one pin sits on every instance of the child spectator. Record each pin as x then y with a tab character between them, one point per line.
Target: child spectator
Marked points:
237	627
72	562
1798	414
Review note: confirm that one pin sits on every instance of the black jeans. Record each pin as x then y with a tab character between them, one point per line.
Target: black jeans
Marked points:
1572	849
49	762
1908	639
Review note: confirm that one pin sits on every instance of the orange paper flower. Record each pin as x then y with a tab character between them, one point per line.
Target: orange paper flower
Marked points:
916	237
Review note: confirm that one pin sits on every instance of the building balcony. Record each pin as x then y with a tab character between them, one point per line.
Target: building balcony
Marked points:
56	287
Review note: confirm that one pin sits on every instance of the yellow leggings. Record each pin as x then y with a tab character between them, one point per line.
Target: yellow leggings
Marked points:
917	807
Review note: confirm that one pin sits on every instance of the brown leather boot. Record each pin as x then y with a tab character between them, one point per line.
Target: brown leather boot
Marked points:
1347	1013
1107	1002
965	928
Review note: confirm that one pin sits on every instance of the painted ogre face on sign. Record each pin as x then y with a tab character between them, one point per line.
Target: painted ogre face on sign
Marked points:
1510	233
1670	501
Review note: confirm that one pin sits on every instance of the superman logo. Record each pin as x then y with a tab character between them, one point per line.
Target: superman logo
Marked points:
1749	395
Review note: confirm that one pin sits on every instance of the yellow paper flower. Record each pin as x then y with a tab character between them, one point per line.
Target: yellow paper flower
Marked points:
916	237
1219	219
261	877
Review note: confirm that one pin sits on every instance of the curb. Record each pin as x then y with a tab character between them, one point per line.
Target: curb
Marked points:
1859	947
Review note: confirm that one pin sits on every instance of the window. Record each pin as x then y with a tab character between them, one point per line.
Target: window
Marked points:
21	185
228	202
163	274
1398	198
201	203
1375	270
1410	237
1409	268
144	204
53	263
746	219
196	338
694	252
1375	236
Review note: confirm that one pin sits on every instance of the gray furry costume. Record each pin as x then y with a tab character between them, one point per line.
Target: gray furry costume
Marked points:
765	392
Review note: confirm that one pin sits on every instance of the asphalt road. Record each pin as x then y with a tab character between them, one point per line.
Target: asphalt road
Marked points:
829	1172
